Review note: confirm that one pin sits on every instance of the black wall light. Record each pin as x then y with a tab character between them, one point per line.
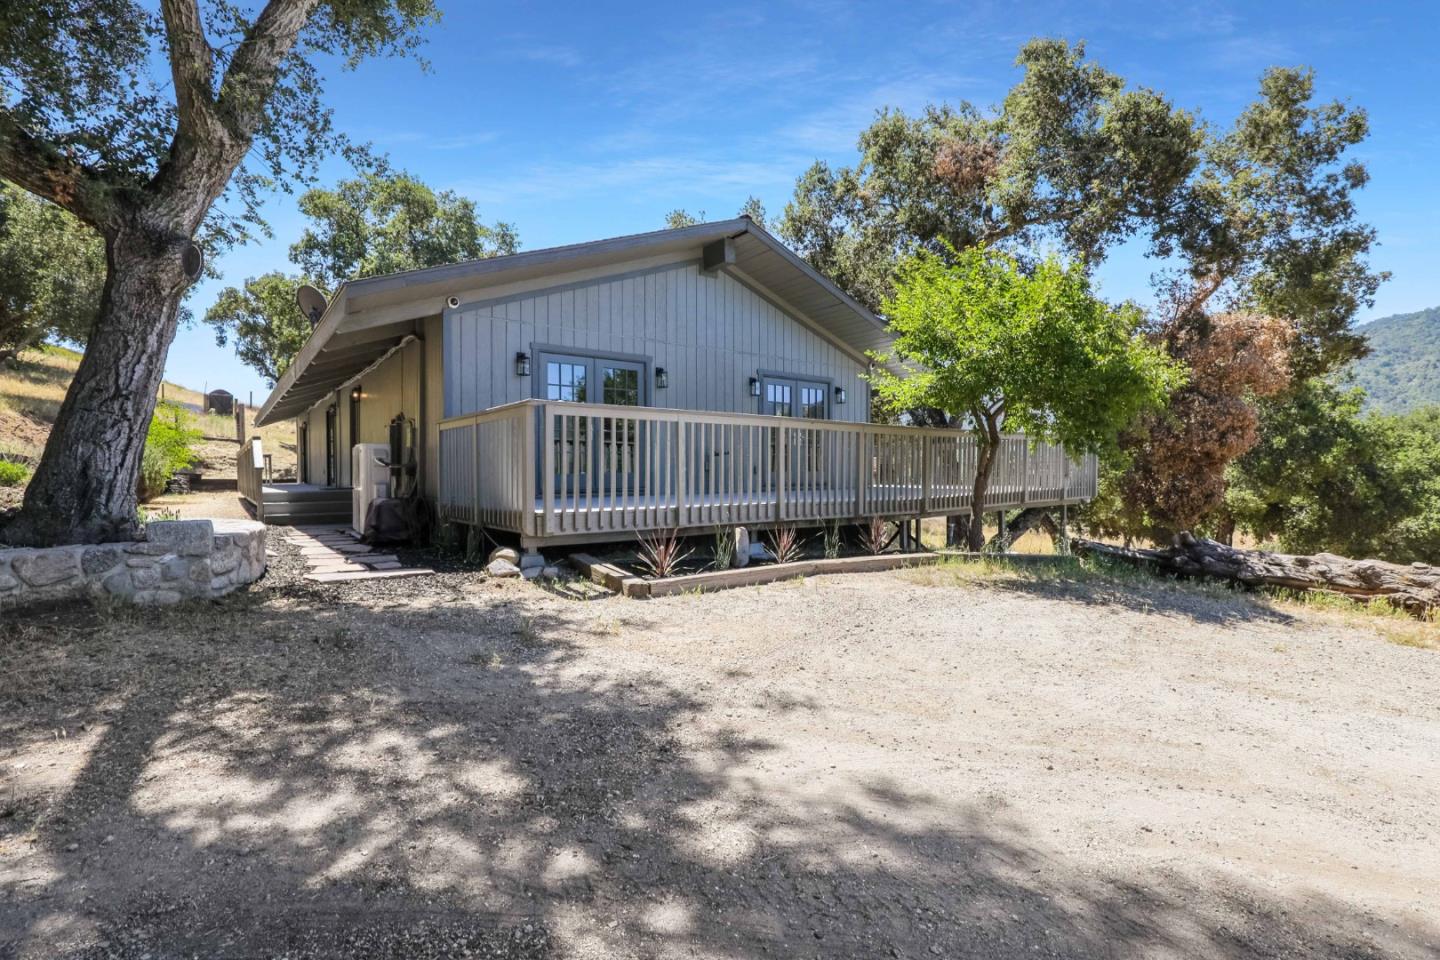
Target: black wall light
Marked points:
754	386
839	394
522	364
662	378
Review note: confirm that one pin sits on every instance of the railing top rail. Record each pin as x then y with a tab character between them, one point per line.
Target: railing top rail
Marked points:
489	413
704	416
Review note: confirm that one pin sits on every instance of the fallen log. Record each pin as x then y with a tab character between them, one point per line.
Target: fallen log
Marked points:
1415	587
1022	523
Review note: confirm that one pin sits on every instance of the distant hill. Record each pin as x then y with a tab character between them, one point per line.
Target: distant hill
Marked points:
1403	369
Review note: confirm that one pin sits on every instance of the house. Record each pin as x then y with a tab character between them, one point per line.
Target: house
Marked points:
678	379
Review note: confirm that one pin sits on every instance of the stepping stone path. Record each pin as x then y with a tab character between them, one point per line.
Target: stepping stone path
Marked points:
333	554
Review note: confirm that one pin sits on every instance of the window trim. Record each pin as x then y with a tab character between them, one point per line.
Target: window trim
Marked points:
767	376
539	350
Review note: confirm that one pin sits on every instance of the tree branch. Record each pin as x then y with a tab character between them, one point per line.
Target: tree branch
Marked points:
192	65
252	72
42	168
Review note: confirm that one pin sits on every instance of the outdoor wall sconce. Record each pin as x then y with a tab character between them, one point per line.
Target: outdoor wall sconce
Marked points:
839	394
355	394
662	378
522	364
754	386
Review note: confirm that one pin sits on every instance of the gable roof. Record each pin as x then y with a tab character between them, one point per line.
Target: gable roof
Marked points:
368	318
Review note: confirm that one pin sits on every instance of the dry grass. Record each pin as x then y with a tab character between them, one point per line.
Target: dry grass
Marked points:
33	387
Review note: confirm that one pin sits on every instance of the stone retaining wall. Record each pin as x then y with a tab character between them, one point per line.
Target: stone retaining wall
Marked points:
177	559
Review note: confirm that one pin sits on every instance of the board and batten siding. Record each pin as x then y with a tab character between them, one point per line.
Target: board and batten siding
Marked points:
710	331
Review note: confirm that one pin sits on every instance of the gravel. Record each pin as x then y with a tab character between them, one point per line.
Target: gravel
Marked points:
876	765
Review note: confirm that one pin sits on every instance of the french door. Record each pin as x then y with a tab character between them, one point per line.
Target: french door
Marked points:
803	400
596	454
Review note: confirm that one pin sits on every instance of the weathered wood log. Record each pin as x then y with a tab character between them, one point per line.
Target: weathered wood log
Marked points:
1025	521
1416	587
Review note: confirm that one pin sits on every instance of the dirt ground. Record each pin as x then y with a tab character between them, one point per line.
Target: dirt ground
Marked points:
877	765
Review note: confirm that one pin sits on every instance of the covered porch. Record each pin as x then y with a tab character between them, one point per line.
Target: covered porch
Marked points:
286	503
553	472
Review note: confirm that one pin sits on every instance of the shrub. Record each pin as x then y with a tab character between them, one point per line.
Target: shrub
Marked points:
723	552
875	536
13	474
169	446
832	540
785	544
662	552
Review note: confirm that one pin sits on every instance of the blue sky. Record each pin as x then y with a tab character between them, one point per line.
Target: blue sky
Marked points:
581	121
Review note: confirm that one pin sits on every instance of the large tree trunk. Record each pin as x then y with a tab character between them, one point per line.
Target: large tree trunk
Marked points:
84	490
1415	587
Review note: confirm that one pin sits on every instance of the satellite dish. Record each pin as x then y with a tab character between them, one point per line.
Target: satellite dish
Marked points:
192	261
312	303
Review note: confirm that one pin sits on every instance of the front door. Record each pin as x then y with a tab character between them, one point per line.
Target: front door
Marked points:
601	449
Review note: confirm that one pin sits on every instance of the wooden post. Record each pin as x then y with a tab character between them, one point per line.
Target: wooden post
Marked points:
682	479
240	423
862	461
925	474
780	458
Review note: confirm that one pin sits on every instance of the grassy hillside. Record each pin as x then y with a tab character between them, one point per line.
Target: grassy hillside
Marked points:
1403	369
32	388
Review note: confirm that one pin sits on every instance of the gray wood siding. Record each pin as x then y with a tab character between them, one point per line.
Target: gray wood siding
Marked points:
711	332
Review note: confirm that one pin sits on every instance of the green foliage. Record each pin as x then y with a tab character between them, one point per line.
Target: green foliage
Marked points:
52	271
169	446
1402	370
381	222
1022	351
752	208
265	321
1270	219
97	79
1327	477
1072	156
387	221
722	550
13	474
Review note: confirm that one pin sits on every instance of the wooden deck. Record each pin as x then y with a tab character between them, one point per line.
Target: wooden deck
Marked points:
566	472
287	503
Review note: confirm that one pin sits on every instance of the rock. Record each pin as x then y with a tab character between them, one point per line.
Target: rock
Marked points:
742	548
44	568
502	568
118	583
530	573
144	577
97	560
8	582
551	573
532	560
189	538
506	554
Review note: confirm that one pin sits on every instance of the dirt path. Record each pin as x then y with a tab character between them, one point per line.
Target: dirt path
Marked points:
865	766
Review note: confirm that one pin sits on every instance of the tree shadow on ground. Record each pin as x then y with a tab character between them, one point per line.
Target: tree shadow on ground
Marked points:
1065	579
273	778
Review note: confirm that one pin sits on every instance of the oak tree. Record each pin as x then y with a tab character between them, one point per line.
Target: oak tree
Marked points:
137	119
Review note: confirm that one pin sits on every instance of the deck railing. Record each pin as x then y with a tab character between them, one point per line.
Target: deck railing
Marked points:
544	469
250	475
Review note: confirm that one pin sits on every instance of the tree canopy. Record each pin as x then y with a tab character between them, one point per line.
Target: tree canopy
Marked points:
380	222
1012	347
52	269
387	222
1072	155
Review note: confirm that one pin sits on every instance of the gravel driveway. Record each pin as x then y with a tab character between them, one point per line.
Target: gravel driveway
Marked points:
878	765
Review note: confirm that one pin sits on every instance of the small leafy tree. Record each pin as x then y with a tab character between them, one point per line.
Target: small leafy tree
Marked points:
169	446
1004	349
264	321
